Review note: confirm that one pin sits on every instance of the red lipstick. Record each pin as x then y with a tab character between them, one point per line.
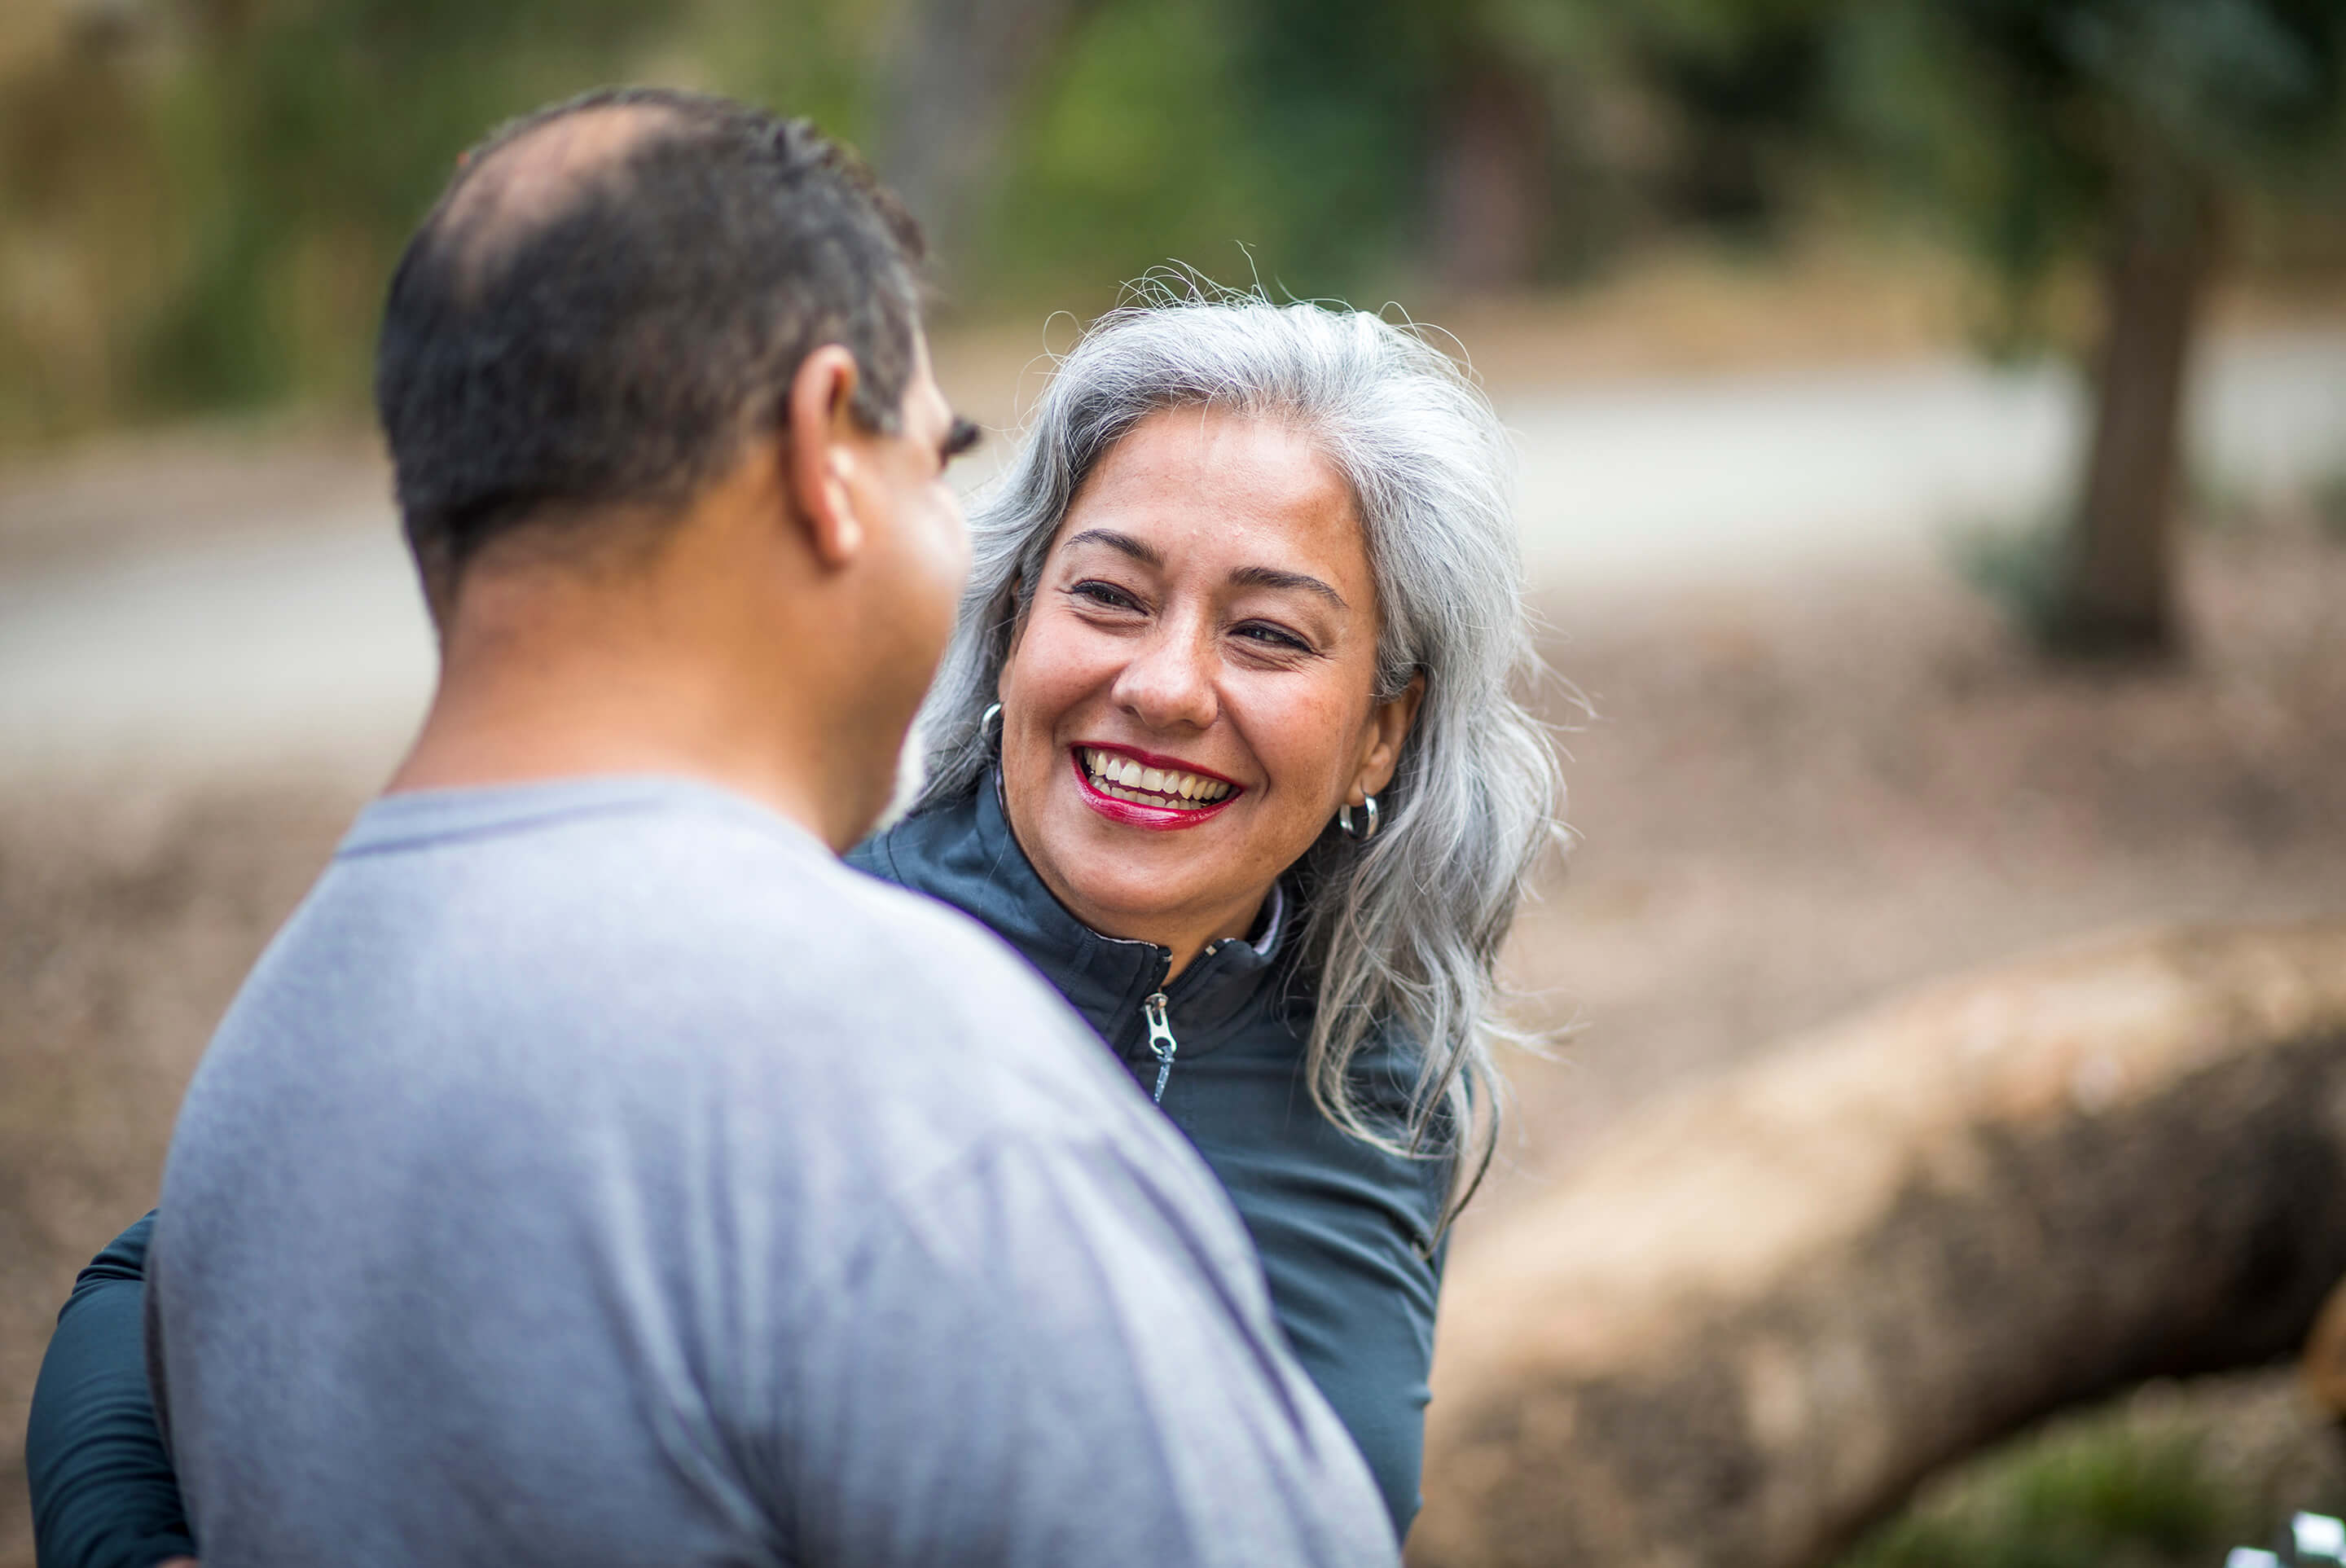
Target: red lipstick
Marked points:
1132	813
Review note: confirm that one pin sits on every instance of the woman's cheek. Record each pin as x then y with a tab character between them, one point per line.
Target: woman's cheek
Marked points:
1304	744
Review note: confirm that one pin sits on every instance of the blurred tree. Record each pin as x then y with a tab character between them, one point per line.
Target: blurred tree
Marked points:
308	135
949	88
199	199
2041	132
1712	105
1493	176
2116	129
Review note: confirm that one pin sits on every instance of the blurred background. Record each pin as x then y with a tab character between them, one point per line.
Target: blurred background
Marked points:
1932	423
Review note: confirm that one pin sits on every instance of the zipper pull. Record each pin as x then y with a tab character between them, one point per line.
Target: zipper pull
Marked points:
1161	1044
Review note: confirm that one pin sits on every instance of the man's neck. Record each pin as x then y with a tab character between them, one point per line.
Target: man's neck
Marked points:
541	697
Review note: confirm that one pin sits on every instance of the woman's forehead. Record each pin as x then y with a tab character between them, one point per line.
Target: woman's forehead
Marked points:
1211	482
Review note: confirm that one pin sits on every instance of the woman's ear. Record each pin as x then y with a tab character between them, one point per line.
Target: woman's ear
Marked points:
1389	725
820	467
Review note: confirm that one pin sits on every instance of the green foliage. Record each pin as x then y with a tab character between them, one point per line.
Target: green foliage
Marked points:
1129	157
2018	568
2014	120
198	209
2330	505
2099	1496
1340	98
241	176
308	140
1227	134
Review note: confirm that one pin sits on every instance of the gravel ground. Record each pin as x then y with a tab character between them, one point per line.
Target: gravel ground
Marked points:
1792	798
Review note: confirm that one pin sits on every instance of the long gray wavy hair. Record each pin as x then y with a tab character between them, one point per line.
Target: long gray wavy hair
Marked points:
1404	928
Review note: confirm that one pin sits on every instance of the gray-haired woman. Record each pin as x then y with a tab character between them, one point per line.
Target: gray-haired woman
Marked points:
1226	747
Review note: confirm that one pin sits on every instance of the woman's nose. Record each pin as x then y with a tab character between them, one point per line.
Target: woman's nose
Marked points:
1169	684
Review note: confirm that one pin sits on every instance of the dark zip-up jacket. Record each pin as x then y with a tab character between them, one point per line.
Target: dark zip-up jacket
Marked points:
1345	1229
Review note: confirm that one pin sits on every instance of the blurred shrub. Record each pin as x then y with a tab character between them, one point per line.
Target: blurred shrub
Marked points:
2167	1475
2016	567
2101	1496
2330	505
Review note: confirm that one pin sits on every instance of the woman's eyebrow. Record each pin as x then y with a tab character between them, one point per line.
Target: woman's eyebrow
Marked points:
1139	550
1275	577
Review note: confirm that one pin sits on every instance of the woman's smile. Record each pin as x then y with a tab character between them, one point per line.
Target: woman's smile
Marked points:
1142	789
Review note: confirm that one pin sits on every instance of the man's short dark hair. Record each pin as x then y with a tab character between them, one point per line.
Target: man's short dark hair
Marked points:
613	342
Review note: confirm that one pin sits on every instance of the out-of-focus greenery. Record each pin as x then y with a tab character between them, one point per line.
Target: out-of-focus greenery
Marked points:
2169	1476
2330	505
200	199
2016	567
2092	1499
2021	122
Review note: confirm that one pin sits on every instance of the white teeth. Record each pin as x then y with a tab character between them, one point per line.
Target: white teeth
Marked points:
1127	779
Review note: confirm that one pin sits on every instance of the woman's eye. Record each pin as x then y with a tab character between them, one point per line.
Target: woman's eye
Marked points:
1106	594
1273	636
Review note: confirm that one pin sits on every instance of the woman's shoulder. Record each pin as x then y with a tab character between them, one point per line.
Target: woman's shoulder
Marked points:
922	849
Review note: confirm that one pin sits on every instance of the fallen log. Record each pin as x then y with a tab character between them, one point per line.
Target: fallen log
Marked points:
1759	1316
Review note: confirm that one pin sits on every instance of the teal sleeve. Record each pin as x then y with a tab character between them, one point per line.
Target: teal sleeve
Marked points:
102	1493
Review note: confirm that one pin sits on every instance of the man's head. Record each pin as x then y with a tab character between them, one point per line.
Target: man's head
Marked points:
639	310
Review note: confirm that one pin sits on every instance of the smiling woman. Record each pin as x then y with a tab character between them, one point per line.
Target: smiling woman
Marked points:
1210	595
1226	746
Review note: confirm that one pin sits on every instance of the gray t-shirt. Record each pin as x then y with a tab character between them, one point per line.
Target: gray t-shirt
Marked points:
598	1172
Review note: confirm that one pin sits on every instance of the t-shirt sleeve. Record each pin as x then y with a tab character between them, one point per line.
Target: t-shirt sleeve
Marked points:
1044	1356
102	1493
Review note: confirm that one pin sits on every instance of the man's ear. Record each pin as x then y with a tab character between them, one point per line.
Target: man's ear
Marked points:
819	465
1389	725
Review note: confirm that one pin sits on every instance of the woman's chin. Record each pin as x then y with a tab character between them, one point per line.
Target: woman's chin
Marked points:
1133	904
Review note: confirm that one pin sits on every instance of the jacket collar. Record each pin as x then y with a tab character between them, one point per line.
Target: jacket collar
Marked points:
964	853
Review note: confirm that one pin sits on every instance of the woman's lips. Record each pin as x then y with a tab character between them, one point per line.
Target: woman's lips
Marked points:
1160	798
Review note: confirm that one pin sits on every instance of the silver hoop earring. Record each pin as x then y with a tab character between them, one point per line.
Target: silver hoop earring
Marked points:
987	718
1363	832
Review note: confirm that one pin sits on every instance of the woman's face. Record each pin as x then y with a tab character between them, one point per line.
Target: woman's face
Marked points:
1188	700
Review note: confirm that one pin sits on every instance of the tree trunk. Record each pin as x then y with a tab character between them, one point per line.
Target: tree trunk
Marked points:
948	90
2118	595
1491	191
1758	1318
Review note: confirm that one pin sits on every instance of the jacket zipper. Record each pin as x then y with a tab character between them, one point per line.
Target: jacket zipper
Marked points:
1161	1044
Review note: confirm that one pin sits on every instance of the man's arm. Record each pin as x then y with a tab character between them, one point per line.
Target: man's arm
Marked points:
102	1493
1048	1355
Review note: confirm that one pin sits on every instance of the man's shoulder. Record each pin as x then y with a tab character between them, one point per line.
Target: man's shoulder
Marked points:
665	976
725	894
669	926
